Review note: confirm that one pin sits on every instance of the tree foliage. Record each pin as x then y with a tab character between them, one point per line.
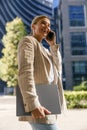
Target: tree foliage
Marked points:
15	30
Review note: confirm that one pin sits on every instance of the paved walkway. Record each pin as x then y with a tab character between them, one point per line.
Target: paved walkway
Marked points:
74	119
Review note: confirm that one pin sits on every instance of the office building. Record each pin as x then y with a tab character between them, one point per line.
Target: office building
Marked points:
72	31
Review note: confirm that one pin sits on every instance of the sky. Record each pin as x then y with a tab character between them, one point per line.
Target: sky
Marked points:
55	2
50	0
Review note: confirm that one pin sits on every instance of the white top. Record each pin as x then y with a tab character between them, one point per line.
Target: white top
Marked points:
51	74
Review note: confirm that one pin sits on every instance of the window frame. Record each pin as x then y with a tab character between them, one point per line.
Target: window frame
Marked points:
80	49
84	12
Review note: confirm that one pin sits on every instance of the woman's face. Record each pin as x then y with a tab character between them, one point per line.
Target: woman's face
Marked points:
41	28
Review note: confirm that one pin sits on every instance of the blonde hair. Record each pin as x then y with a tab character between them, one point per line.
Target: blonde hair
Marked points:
37	18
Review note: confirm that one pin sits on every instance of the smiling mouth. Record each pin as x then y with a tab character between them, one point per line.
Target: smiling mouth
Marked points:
45	32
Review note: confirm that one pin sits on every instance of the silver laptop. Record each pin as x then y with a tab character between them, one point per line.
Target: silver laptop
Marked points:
48	97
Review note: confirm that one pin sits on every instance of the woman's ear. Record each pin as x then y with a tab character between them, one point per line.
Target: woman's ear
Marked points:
32	27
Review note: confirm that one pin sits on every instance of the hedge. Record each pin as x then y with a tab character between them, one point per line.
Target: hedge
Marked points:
76	99
81	86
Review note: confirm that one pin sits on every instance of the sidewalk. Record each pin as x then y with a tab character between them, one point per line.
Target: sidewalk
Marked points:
74	119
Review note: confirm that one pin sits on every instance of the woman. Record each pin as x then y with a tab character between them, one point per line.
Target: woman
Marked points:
38	65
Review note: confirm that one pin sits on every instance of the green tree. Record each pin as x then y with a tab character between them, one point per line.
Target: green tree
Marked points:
15	30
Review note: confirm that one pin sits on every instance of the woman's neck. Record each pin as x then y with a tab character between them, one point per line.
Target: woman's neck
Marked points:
38	38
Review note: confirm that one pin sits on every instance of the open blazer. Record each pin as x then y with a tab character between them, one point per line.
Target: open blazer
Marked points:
34	67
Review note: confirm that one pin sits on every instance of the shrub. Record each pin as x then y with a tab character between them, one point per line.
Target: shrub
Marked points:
76	99
82	86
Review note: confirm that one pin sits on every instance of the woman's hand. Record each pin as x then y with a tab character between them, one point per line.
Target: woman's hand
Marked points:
40	112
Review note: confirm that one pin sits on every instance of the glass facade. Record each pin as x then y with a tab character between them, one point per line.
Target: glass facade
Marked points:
79	69
76	15
78	43
73	31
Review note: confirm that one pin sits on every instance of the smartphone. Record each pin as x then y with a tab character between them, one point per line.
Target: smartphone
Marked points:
50	35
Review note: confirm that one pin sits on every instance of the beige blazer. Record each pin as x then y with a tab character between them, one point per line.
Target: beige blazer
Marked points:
34	67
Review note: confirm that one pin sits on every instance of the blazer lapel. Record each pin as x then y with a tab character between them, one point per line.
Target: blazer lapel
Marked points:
43	51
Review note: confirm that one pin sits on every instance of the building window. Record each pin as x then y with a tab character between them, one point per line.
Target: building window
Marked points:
76	15
78	43
79	69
